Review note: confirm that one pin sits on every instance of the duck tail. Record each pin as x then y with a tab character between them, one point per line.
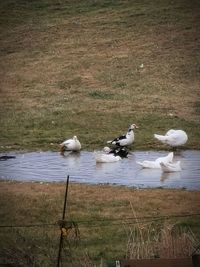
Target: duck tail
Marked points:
170	156
160	137
140	163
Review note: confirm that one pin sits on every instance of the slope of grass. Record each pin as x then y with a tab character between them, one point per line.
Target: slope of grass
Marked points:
75	67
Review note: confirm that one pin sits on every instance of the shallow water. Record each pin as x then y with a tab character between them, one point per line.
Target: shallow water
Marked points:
81	167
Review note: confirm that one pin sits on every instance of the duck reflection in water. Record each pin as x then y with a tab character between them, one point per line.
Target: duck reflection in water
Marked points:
73	158
170	176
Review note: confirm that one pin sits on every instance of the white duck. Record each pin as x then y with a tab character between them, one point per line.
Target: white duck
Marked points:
125	140
156	163
70	145
106	158
170	167
173	138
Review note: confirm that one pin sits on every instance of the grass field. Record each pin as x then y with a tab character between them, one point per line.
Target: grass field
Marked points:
101	213
92	67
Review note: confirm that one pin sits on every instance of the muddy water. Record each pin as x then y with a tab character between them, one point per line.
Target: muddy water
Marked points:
52	167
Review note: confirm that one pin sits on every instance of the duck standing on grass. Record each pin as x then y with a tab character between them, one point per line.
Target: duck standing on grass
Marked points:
125	140
173	138
70	145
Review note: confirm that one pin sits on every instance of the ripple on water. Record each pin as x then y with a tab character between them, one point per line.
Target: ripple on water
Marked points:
52	167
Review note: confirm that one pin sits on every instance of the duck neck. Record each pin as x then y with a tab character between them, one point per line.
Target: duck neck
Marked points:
130	132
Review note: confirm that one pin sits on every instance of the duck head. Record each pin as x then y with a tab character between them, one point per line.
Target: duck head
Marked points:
133	126
106	149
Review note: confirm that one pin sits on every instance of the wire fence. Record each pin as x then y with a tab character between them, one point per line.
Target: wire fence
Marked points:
83	242
69	238
112	221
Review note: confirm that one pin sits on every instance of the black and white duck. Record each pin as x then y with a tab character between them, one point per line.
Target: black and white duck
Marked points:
126	139
118	151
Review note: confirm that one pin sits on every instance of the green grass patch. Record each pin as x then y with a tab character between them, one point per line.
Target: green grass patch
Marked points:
101	95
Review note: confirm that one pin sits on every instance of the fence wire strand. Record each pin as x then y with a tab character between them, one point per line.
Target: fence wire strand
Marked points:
93	223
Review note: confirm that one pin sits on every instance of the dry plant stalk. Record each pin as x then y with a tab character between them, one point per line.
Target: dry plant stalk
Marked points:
158	240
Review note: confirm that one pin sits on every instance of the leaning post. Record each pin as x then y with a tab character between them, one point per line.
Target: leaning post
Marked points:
62	223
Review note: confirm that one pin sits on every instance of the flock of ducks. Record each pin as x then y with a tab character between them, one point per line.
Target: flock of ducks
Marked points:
120	149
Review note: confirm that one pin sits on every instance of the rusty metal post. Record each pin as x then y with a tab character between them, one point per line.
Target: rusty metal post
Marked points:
62	222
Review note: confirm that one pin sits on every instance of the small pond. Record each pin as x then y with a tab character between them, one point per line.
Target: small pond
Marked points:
82	168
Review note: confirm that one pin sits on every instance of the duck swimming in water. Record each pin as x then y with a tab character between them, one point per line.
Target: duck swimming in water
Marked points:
118	151
156	163
106	158
170	167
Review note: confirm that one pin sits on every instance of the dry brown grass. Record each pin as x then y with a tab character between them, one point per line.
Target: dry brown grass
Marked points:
107	200
101	213
147	241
